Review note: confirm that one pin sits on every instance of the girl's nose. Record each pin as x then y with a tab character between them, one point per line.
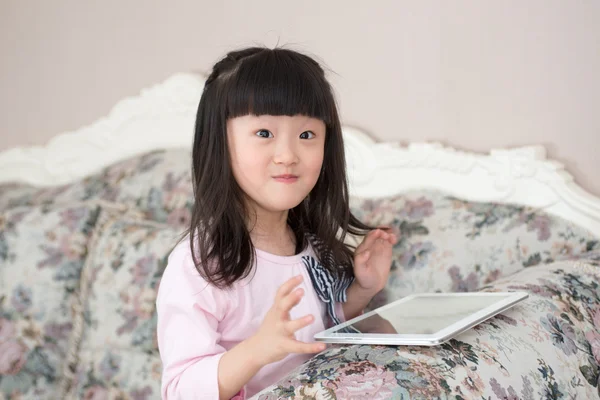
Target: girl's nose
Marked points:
285	153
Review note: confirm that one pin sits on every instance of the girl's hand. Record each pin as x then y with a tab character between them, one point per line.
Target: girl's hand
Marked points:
275	338
372	261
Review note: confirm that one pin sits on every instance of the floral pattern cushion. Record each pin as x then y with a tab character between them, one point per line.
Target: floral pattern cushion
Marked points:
445	244
157	183
42	251
451	245
433	226
548	347
118	353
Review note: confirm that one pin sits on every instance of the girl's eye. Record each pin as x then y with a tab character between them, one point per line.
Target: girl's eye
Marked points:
307	135
264	134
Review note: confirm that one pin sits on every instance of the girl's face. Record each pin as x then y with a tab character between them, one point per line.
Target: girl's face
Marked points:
276	160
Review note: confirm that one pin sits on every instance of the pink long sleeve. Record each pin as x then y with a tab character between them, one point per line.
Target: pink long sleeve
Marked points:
189	312
197	322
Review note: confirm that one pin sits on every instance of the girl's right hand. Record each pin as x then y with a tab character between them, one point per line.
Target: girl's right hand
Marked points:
275	338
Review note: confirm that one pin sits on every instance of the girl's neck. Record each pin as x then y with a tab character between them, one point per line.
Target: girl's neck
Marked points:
270	232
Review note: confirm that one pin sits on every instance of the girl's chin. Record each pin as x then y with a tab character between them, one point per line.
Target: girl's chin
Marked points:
285	207
281	206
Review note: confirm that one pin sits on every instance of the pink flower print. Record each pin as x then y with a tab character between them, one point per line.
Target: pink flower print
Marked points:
7	330
561	250
179	217
365	380
95	392
73	246
58	331
144	303
142	268
12	357
71	218
460	284
541	224
594	338
418	209
473	383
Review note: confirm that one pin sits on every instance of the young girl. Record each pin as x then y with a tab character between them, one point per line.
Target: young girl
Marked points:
264	265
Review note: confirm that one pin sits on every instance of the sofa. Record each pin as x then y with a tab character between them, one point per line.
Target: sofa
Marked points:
80	264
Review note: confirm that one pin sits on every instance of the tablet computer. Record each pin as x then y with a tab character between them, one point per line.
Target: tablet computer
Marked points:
425	319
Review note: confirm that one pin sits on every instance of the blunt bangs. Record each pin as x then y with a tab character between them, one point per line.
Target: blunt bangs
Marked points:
279	82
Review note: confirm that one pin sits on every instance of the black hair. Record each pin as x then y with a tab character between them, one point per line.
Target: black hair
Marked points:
261	81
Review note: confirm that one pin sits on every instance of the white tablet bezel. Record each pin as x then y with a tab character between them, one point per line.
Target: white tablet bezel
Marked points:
505	301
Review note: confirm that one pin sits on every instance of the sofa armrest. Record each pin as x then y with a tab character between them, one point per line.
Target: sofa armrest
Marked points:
550	343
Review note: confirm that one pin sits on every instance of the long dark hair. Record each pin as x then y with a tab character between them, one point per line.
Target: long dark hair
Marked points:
261	81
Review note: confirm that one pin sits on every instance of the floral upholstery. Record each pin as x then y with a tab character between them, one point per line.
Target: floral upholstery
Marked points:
118	354
42	252
157	183
545	348
101	244
451	245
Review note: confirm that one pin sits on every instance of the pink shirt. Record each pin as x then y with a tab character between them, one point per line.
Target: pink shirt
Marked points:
198	323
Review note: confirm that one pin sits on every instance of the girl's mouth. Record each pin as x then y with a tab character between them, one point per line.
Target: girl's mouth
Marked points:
286	178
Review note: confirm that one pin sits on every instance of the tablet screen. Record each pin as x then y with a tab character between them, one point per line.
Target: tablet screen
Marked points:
422	315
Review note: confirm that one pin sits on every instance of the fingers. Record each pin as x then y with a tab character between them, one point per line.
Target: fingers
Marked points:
363	257
297	324
287	287
296	346
392	239
362	251
290	301
368	241
387	235
372	238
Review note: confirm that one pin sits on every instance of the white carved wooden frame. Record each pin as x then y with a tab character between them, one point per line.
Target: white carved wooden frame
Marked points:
163	117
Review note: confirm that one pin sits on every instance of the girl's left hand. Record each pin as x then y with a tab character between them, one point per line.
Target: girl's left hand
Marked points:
373	260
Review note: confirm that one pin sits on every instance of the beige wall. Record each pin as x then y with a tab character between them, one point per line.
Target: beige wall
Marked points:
474	74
